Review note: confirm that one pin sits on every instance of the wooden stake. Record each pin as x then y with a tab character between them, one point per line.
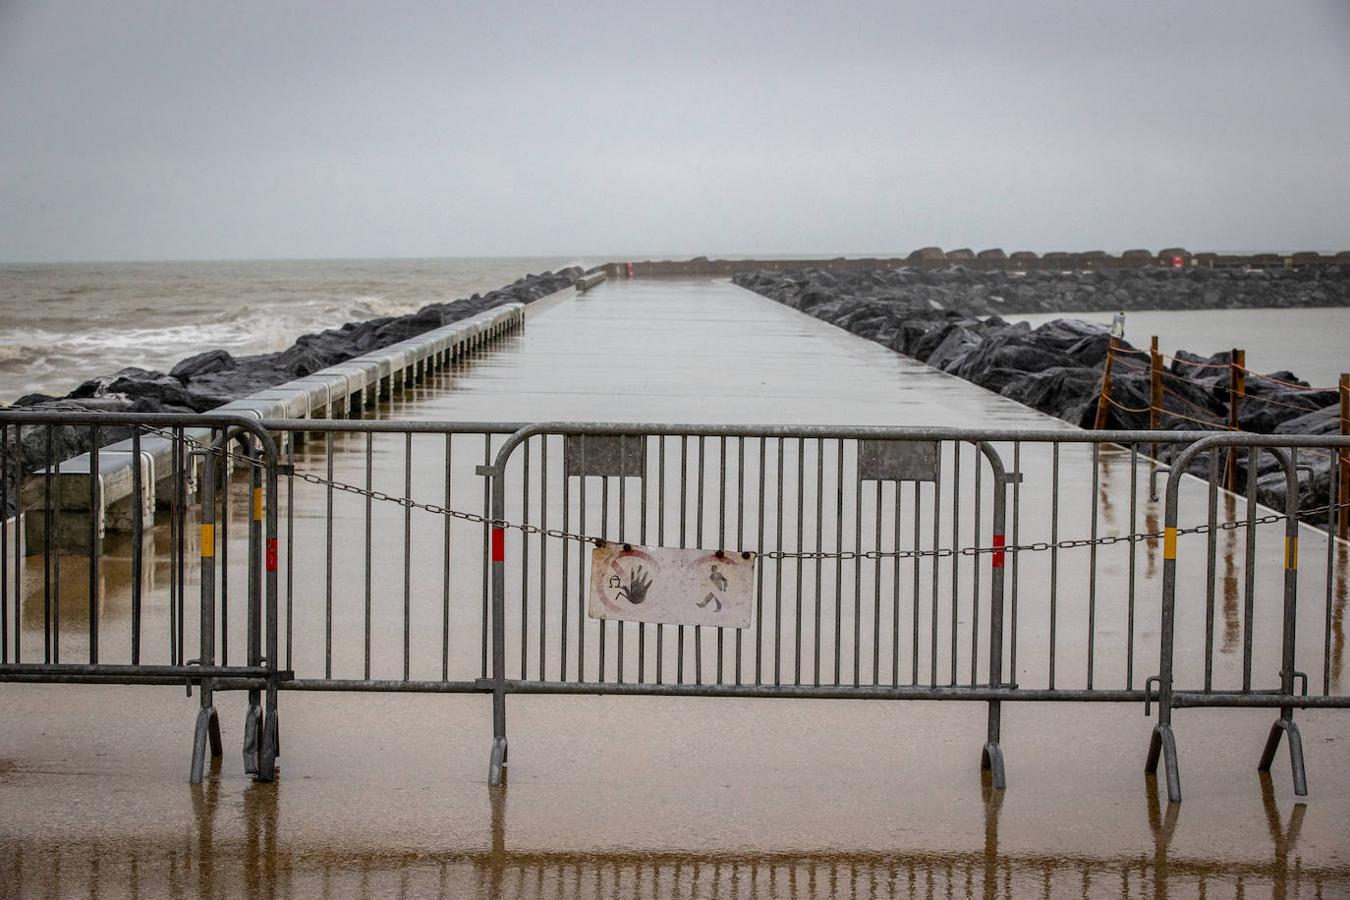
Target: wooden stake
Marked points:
1104	400
1237	389
1343	491
1155	371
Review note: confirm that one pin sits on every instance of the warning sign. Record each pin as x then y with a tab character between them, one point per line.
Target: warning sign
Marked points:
671	586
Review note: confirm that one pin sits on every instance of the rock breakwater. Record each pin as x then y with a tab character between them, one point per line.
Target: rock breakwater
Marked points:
207	380
950	319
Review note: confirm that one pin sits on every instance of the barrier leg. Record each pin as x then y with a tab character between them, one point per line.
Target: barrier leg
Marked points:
991	757
201	737
499	748
271	746
213	735
252	737
1163	744
1286	726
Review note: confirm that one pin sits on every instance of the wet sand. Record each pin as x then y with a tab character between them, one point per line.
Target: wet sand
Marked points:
609	796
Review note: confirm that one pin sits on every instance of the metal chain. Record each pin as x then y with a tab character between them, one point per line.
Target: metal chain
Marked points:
843	555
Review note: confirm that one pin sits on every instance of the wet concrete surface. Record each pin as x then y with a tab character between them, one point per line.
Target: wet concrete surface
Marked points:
384	795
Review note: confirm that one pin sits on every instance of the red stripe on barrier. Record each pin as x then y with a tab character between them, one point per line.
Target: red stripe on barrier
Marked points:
271	554
999	542
499	545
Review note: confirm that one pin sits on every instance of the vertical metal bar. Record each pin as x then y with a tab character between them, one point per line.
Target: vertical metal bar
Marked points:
370	475
525	562
801	515
445	558
623	519
604	533
857	577
978	475
1016	557
48	527
407	558
180	500
642	538
223	518
1249	565
914	639
759	570
1054	553
820	564
778	575
684	500
543	553
56	561
956	547
253	596
721	531
290	548
895	590
698	529
1134	529
95	548
581	563
487	537
661	541
876	590
327	559
740	530
937	543
177	463
839	562
1092	568
566	552
137	543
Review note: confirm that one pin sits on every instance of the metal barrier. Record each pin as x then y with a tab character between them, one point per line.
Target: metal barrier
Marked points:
44	494
1245	691
892	563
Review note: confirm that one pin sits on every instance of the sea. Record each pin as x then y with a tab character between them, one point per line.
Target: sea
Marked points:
61	324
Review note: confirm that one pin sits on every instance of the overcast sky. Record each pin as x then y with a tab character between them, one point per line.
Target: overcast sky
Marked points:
168	130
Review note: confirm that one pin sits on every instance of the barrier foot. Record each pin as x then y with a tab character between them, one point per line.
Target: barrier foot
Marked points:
252	729
213	735
498	760
201	737
991	758
267	757
1163	744
1285	726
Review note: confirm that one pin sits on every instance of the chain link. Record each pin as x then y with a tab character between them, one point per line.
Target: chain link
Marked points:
842	555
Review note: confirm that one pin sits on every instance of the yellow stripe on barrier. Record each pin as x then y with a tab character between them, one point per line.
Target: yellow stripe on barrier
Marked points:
208	541
1169	543
1291	553
257	504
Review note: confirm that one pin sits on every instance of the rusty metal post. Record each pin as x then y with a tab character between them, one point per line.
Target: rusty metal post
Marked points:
1104	399
1237	389
1343	493
1155	405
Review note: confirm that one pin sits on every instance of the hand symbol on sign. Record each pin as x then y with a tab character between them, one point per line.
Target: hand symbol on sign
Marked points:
639	582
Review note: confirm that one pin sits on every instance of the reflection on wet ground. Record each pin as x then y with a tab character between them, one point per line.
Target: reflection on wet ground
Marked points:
609	796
